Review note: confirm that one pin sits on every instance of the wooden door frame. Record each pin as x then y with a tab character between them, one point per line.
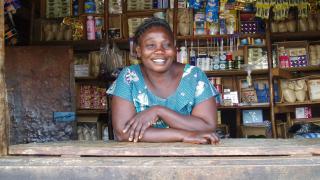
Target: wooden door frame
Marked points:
4	115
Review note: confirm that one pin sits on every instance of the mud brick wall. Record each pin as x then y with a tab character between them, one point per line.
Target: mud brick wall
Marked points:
39	82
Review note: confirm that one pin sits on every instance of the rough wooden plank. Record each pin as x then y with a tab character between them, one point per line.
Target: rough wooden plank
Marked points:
228	147
159	168
3	91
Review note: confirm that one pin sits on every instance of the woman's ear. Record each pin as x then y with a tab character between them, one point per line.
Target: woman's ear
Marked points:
138	50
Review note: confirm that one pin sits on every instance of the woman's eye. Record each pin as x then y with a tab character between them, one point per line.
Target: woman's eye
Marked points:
150	46
166	45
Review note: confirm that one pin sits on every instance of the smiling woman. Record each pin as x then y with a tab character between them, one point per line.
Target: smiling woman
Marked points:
162	100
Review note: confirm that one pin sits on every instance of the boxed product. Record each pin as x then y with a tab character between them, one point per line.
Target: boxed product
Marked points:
303	112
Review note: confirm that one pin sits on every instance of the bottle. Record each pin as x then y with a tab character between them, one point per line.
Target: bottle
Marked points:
98	23
90	28
75	7
193	57
183	55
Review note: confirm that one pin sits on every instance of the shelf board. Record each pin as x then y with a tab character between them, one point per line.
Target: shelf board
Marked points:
145	12
281	73
257	105
306	103
91	14
287	72
78	45
303	69
292	36
91	111
234	72
208	37
313	120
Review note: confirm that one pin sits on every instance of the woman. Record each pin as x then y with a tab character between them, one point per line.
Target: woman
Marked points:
161	100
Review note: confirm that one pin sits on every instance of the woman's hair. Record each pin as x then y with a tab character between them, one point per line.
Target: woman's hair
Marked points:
149	23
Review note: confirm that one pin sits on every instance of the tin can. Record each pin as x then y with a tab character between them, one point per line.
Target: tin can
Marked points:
229	64
223	65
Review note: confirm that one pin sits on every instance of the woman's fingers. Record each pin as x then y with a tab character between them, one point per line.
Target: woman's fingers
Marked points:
214	139
128	125
132	130
143	129
137	132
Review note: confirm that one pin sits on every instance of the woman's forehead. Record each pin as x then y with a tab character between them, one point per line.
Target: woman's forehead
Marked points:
155	30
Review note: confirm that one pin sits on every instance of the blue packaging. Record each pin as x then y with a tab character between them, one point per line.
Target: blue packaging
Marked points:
90	7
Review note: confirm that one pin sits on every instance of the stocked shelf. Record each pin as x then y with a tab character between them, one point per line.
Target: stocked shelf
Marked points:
235	72
208	37
287	72
298	103
254	106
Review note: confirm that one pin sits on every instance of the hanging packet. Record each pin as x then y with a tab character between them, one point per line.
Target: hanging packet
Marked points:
212	11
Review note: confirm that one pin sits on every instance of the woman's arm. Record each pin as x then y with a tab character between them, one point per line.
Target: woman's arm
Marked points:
123	111
203	117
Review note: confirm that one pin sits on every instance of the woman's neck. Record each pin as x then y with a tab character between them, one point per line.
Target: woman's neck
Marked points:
163	84
158	77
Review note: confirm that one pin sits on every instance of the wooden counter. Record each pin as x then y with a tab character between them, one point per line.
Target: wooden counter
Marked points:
229	147
231	159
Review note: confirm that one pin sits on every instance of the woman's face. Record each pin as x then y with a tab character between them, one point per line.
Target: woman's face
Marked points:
156	49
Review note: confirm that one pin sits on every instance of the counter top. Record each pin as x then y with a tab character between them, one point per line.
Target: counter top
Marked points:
227	147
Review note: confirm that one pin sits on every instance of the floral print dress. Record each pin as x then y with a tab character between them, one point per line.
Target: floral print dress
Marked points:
194	88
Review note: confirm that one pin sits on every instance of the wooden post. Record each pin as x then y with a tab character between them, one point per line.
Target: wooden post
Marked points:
3	92
271	90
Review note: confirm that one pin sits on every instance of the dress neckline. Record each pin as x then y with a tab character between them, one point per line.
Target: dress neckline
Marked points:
158	97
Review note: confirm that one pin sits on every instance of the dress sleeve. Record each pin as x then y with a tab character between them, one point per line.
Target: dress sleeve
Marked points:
122	86
204	88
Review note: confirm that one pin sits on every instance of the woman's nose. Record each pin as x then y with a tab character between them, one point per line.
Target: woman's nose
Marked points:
160	49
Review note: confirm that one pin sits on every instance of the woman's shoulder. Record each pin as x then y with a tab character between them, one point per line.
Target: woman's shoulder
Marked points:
130	74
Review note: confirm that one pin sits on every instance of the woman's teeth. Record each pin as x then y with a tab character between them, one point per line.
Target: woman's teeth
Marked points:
159	61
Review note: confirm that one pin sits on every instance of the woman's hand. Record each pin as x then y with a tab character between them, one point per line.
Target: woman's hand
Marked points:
202	138
137	125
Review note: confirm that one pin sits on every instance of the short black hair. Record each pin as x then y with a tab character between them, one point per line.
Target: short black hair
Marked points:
149	23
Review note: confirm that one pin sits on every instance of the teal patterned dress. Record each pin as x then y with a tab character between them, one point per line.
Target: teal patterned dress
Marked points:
194	88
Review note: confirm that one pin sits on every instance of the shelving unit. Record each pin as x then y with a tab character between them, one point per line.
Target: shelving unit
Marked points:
277	73
231	76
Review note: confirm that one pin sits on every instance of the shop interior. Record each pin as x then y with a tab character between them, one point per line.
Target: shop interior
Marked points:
62	55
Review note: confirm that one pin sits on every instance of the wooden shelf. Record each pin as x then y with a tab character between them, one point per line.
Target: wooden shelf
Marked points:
143	13
306	103
255	106
281	73
77	45
292	36
313	120
235	72
287	72
91	111
91	14
208	37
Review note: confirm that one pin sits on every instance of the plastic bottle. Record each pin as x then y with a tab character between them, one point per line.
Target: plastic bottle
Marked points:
183	55
193	57
90	28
